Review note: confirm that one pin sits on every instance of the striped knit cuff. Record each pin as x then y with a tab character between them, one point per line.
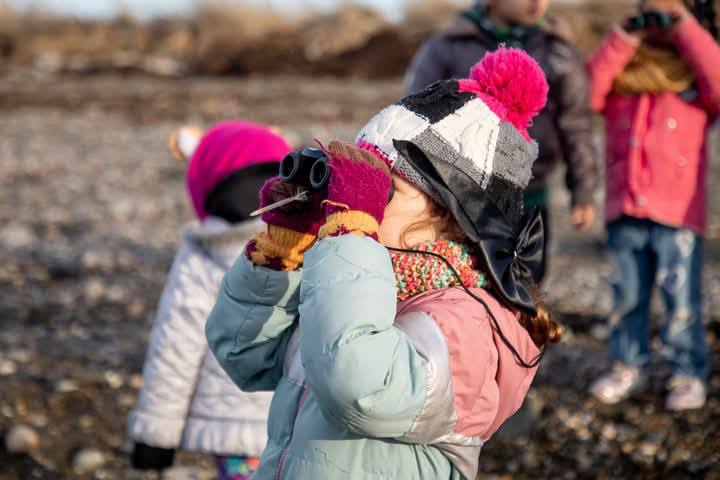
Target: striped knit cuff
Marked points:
279	248
352	222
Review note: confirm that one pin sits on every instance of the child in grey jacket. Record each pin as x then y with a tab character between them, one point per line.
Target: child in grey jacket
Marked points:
563	129
187	401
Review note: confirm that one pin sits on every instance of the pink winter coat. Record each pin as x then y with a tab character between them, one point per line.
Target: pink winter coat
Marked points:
656	144
488	383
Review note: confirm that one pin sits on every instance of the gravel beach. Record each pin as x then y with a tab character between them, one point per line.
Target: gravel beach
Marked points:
90	206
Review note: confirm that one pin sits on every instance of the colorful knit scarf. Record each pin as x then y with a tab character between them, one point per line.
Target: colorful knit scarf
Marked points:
416	273
654	70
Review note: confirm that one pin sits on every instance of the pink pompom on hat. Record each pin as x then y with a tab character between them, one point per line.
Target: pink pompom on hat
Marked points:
478	125
226	148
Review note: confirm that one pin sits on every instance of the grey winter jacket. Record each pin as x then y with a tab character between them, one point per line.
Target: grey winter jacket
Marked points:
563	130
187	400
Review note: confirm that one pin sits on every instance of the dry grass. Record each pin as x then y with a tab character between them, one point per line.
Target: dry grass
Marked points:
429	15
587	23
220	37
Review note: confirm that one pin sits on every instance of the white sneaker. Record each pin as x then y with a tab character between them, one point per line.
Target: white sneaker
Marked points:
618	385
686	393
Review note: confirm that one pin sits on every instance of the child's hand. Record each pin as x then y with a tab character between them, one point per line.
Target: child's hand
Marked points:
675	9
305	217
358	192
583	217
635	36
292	229
145	457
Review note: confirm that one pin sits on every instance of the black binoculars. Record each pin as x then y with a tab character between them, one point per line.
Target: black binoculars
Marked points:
307	168
648	20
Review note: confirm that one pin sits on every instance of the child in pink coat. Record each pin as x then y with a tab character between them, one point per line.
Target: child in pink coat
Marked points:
656	79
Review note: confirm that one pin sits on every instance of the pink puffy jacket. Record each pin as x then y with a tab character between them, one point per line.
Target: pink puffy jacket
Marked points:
656	144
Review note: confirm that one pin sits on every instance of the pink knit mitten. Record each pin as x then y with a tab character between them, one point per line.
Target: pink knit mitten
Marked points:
358	192
291	230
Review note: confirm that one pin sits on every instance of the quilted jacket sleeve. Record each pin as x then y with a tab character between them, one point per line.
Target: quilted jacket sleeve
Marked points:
699	49
364	372
250	326
175	353
574	119
606	64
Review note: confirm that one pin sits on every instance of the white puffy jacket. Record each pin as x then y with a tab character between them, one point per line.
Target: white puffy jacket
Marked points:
187	401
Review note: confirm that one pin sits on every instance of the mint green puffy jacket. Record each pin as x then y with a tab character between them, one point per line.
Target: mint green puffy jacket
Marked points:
364	388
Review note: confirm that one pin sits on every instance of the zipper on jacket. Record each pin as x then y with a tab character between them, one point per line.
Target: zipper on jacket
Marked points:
281	463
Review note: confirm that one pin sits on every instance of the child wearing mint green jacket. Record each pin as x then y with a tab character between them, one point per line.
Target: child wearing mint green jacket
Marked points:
394	313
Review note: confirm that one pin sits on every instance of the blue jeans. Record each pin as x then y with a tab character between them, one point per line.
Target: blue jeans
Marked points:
647	254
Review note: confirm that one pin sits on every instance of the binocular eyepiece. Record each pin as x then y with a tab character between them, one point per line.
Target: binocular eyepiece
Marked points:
307	168
650	19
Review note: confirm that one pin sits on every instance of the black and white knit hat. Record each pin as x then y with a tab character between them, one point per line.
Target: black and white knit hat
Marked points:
465	143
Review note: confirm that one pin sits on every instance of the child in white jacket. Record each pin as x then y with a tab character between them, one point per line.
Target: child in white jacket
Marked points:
187	401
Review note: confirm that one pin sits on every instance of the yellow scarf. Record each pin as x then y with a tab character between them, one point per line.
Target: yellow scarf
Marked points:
654	70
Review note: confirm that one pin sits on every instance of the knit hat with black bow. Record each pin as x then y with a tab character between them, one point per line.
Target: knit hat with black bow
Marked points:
465	143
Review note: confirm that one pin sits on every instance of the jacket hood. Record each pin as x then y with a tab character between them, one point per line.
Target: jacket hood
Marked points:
220	240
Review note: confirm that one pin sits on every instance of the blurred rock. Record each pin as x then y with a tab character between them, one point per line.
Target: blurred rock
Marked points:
7	367
38	421
49	62
163	66
127	400
114	380
187	473
136	381
609	432
88	460
85	422
21	440
127	446
60	267
679	456
136	308
117	293
645	453
20	355
97	259
94	289
66	386
16	235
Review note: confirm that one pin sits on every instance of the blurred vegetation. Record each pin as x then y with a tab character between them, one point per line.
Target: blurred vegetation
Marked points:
217	38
